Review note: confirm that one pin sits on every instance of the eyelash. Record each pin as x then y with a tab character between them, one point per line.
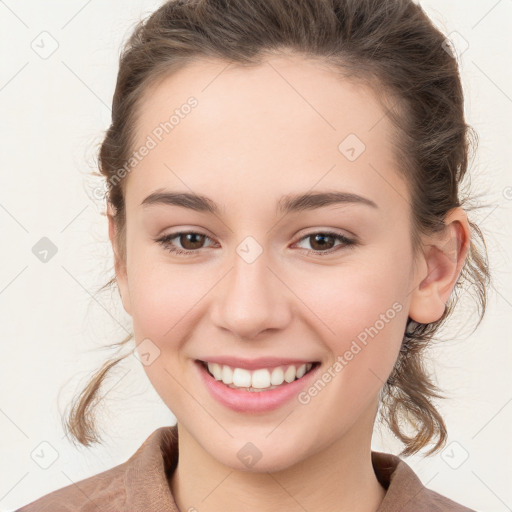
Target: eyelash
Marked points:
347	242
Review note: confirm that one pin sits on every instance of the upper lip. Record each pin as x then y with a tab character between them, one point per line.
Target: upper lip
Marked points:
253	364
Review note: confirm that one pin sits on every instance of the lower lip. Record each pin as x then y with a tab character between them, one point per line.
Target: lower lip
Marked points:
254	401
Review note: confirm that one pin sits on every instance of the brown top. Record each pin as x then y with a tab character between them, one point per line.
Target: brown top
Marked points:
141	484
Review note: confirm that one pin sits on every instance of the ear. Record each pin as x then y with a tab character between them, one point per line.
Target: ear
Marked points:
439	268
119	263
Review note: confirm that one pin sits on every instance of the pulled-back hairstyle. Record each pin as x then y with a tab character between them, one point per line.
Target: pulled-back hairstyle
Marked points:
392	46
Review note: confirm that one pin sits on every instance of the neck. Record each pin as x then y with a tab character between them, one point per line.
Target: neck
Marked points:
338	478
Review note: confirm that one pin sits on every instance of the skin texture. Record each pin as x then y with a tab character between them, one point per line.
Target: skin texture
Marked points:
257	134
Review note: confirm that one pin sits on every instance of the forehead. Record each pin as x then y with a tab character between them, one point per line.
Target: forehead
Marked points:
290	120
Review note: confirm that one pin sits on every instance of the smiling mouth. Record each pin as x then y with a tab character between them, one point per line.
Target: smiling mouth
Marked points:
262	379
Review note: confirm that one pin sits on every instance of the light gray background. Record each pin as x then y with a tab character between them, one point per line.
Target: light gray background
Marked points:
53	112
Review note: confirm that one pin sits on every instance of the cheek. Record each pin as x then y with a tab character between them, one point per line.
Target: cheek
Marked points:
363	311
163	297
161	293
353	295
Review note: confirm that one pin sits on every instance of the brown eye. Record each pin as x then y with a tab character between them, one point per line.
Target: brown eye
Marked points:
324	242
190	242
321	241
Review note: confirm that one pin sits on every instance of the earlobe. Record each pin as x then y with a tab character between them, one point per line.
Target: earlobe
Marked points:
119	263
444	256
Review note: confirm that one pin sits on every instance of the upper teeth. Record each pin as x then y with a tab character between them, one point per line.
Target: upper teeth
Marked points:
261	378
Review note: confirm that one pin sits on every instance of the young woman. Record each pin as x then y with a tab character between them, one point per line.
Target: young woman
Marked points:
284	211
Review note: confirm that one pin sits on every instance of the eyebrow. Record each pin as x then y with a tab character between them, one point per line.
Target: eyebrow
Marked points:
287	204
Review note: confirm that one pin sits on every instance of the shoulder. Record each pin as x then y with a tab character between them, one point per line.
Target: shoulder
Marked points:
140	480
104	491
405	491
435	502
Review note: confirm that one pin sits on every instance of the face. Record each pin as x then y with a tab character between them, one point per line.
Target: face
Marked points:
266	276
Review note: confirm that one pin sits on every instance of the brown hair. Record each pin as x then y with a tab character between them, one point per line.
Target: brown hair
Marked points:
389	43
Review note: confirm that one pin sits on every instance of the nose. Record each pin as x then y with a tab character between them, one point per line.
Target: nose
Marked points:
251	299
